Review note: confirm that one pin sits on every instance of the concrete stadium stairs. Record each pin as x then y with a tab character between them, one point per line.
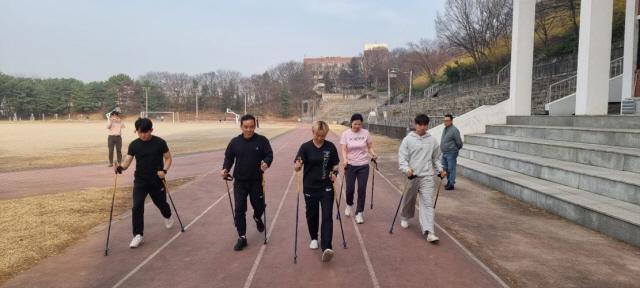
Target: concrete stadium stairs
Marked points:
585	169
336	111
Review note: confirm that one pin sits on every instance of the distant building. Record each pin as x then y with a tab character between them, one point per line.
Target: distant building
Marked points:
318	67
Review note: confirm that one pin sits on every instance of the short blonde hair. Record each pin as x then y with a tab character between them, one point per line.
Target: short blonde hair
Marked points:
320	127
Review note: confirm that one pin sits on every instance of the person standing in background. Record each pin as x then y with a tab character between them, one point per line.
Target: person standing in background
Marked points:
115	126
450	144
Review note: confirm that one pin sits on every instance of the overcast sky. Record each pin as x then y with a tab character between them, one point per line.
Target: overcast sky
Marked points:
92	39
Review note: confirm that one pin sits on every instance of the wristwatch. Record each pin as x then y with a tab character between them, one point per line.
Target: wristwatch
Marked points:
164	170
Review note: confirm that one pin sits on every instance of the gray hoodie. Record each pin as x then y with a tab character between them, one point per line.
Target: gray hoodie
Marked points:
451	141
420	153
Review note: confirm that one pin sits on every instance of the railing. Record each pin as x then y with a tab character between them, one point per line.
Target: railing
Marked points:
561	89
567	86
504	74
616	67
432	90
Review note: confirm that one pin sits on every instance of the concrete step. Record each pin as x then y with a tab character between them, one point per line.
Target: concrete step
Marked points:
621	185
614	122
612	157
604	136
618	219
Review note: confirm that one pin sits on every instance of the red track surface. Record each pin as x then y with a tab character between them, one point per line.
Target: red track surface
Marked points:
203	256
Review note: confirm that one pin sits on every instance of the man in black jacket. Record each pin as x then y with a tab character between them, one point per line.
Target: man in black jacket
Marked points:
252	155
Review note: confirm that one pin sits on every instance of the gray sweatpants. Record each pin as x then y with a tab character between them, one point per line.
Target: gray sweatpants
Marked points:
422	186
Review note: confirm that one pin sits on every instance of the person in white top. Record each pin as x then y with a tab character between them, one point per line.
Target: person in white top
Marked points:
357	150
115	126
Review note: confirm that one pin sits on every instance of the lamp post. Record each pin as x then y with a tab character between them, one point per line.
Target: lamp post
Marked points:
146	101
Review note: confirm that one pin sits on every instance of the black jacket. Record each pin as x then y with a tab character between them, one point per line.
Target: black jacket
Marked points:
247	155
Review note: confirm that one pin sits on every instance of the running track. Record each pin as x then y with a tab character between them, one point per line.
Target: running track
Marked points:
203	255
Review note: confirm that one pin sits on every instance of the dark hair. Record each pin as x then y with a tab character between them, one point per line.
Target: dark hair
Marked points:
143	125
356	117
449	115
422	119
114	112
247	117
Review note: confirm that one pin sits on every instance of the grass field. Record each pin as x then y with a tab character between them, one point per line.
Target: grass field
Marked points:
32	145
34	228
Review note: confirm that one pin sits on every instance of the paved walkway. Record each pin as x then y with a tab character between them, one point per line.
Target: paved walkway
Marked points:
203	255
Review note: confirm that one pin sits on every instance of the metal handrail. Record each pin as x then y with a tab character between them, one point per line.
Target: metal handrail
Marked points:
567	86
501	74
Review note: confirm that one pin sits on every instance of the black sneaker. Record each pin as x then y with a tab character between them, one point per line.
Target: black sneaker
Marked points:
242	242
450	187
259	224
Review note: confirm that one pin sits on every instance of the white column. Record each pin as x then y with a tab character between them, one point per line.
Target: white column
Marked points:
594	57
522	57
630	48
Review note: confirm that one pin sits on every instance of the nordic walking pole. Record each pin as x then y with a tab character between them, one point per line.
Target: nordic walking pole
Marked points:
344	242
166	189
298	188
264	197
341	186
373	178
226	182
113	198
438	193
407	185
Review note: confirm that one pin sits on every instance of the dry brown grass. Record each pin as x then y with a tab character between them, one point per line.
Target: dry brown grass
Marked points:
34	228
32	145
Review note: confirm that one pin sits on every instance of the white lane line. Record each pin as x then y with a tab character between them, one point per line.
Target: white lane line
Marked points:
372	273
365	254
166	244
466	251
256	263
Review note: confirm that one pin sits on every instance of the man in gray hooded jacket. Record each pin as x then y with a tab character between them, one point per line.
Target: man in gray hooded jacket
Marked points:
419	157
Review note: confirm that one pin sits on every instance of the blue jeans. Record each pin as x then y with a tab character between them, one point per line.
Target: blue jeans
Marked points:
449	161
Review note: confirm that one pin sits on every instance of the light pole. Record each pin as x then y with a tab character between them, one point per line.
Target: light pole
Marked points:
146	101
410	90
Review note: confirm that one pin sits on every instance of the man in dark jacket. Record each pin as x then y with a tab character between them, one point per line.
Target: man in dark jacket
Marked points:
252	155
450	144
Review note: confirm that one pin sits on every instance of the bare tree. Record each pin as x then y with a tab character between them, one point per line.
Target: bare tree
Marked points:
429	55
475	26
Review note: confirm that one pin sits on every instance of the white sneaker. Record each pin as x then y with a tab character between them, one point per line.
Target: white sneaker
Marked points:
359	218
432	238
135	243
327	255
168	222
313	245
404	223
347	211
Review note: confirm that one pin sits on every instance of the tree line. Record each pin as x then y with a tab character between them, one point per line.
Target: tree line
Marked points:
279	90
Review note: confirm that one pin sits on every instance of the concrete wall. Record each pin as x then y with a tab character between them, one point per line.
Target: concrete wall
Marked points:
473	122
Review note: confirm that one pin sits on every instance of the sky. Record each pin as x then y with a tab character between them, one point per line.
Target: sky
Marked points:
91	40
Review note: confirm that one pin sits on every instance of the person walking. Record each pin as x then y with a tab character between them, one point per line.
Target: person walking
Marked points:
419	158
153	161
320	161
252	156
357	150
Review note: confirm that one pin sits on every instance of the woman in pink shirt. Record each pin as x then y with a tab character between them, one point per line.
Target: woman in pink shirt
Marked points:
357	150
